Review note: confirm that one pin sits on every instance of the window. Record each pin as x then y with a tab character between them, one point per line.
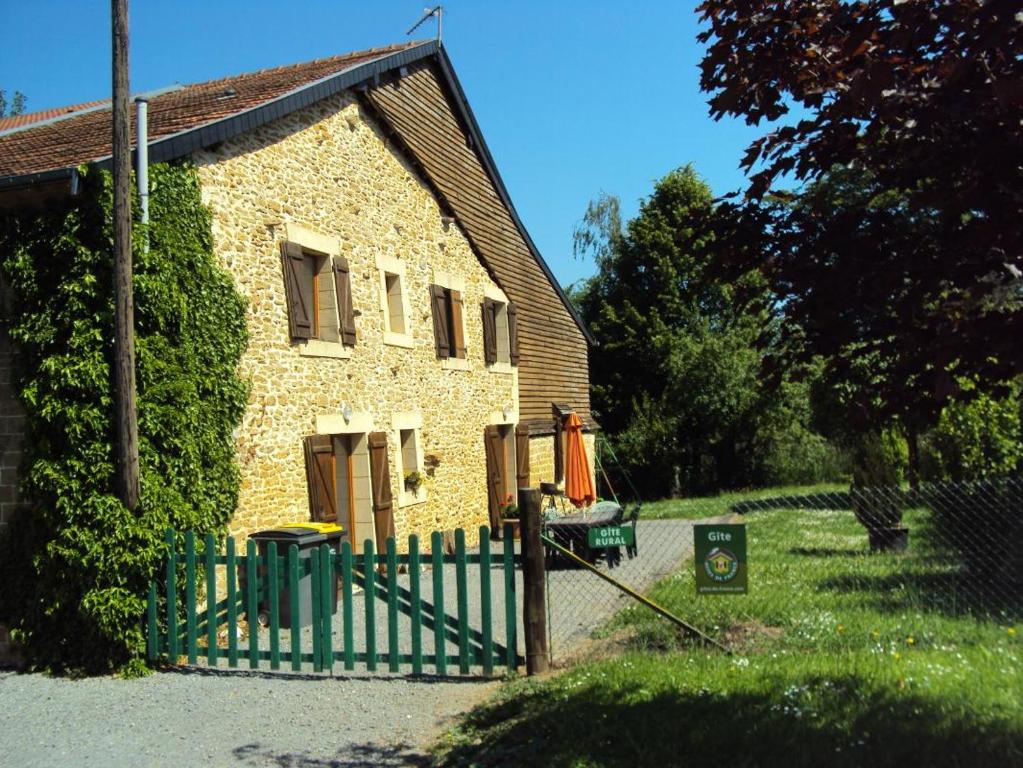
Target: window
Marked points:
319	295
448	326
411	472
395	312
394	306
500	333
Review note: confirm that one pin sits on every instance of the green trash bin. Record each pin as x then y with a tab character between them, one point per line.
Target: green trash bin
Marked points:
308	537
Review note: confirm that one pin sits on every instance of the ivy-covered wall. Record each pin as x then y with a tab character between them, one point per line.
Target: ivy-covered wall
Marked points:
75	563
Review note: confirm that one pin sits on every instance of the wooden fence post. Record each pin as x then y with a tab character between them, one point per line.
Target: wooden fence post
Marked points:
534	608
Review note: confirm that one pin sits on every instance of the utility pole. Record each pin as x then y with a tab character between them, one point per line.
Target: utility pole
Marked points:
126	438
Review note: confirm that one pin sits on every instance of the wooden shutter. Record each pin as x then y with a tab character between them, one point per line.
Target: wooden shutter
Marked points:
513	333
345	308
319	469
522	456
439	305
495	475
298	287
380	480
489	332
457	336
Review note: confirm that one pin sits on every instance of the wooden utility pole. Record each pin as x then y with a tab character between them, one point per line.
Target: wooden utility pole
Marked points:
534	607
126	438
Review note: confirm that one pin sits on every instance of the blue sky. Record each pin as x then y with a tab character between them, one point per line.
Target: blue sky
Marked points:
573	97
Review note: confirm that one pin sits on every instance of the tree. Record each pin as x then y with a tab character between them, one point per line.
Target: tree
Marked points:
675	369
17	106
905	270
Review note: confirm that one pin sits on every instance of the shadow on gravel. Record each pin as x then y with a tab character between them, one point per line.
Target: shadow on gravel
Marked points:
283	675
356	756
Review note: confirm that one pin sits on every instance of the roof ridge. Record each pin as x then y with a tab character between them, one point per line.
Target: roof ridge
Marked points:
381	50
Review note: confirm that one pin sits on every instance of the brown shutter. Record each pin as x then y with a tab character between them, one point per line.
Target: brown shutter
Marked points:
345	308
495	475
489	332
380	479
513	333
298	287
439	305
522	456
319	469
457	336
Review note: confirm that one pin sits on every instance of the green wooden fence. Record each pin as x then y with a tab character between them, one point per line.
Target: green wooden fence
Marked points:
257	584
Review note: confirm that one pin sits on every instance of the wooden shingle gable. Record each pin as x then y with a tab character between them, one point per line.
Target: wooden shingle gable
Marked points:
423	111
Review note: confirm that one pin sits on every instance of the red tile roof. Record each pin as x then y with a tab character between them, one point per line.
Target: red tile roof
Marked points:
17	121
86	137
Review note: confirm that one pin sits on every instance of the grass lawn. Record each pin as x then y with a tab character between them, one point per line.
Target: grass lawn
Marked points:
843	658
710	506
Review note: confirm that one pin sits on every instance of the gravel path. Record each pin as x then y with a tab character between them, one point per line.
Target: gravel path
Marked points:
237	719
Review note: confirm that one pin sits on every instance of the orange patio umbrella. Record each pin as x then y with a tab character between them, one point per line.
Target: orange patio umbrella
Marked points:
579	486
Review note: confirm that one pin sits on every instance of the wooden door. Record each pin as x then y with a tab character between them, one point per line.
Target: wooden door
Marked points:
496	485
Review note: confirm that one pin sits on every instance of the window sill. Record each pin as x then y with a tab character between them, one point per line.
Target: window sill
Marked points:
319	348
500	367
406	499
454	363
398	339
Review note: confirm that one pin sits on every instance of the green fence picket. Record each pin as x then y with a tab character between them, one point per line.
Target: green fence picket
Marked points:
172	599
369	568
415	606
461	582
510	613
232	605
252	602
437	558
211	599
485	610
274	603
327	611
392	606
316	610
190	617
293	600
152	633
347	617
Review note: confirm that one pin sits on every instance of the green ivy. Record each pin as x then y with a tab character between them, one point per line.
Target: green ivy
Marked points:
75	565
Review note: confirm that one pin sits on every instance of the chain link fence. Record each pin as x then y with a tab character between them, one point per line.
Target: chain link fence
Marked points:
828	569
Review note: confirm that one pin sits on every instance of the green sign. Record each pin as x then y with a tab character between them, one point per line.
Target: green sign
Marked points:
720	559
610	536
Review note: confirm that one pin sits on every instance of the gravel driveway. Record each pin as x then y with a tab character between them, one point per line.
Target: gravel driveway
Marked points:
212	718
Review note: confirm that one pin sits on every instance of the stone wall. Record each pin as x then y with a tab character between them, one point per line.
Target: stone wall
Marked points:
330	171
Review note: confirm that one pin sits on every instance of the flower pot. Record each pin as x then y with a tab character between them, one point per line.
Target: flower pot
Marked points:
894	539
514	522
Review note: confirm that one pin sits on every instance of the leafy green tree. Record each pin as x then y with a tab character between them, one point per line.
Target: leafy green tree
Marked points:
17	105
675	372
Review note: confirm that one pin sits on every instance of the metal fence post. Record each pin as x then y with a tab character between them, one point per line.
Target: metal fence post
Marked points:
534	609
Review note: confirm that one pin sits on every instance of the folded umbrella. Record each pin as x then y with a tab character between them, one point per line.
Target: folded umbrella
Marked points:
579	486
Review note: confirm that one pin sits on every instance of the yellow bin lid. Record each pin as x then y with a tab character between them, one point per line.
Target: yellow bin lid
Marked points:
323	528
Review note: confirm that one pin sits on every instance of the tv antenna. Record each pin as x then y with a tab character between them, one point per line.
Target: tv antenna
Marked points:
437	11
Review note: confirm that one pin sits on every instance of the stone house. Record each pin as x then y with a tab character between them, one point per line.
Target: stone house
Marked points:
408	343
